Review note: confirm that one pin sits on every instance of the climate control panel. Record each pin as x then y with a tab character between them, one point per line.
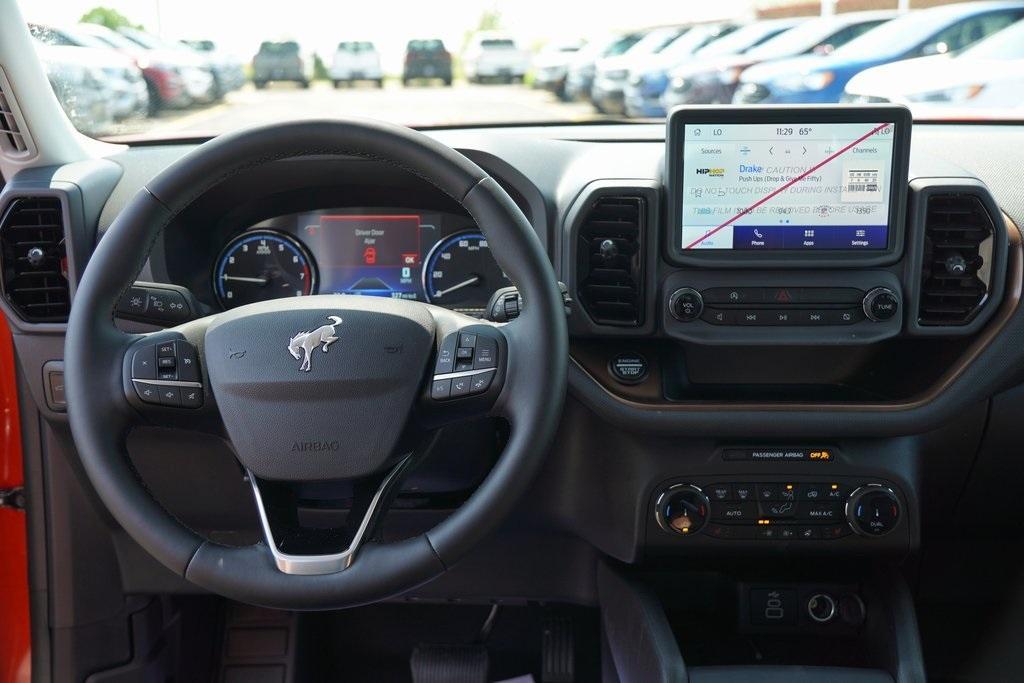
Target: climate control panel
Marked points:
778	510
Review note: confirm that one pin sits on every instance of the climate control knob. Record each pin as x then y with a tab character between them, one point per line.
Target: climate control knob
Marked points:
682	509
873	510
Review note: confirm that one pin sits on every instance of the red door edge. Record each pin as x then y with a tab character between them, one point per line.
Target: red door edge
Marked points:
15	626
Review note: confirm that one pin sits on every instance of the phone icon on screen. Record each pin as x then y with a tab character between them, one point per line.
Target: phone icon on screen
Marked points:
757	234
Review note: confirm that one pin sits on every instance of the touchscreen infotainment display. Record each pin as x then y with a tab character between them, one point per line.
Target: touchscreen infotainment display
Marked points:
781	186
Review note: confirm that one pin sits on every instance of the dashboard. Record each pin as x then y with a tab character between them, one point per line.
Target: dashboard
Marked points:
430	256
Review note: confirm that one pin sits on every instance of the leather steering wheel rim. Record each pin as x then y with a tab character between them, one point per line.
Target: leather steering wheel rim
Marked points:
100	417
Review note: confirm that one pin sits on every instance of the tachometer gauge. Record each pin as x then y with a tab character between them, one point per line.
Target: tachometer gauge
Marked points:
460	273
262	264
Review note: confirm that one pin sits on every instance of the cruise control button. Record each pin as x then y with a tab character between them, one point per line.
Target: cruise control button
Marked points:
486	353
165	350
440	389
164	363
191	397
188	362
170	396
733	512
479	383
144	363
461	386
147	392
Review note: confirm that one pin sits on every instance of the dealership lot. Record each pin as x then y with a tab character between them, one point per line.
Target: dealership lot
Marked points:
415	105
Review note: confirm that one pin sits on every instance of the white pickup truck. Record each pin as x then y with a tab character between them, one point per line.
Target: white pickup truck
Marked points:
494	57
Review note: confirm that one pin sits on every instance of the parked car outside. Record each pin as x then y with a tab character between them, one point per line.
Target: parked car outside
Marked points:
815	79
117	75
427	59
164	80
714	80
610	74
648	78
551	66
579	78
355	61
494	57
81	90
281	61
198	78
989	74
228	70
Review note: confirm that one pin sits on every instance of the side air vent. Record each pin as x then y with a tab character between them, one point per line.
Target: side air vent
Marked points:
610	267
13	142
956	273
34	262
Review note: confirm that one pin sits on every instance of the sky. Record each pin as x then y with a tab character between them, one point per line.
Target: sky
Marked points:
238	26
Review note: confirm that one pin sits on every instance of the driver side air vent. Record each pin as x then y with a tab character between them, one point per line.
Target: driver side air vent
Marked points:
610	263
34	262
956	269
14	141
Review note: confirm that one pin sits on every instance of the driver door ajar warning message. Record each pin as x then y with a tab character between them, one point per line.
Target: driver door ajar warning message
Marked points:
368	255
770	186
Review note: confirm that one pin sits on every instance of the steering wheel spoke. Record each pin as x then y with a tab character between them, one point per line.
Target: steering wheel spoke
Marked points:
468	373
165	379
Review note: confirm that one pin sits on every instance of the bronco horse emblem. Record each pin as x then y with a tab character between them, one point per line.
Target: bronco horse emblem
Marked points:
308	341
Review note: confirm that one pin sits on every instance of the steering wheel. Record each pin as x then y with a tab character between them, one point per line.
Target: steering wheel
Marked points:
316	389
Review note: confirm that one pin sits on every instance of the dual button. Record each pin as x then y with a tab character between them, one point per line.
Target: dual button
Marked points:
167	373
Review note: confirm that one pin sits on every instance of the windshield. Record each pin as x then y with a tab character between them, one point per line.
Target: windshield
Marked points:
128	70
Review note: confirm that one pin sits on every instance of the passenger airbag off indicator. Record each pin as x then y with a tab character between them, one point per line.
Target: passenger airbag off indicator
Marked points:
780	454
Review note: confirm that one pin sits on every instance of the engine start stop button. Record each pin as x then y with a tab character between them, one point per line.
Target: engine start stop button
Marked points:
628	368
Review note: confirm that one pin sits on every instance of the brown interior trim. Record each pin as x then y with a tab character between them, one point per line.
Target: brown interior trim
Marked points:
1008	307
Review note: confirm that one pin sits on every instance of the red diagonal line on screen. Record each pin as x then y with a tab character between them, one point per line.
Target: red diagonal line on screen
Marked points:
788	185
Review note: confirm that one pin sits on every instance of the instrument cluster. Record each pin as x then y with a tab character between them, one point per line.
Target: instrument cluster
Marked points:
435	257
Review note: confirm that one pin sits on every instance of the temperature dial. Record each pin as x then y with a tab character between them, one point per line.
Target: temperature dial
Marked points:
682	509
873	510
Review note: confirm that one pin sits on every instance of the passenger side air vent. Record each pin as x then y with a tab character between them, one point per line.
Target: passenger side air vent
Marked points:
34	262
956	271
610	266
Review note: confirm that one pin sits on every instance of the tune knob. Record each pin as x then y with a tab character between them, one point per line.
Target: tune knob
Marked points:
881	304
873	510
682	509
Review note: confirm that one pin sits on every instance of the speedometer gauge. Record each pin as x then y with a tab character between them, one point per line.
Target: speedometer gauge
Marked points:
262	264
461	274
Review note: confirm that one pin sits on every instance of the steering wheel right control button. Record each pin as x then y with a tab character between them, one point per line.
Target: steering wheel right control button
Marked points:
466	365
873	510
686	304
628	368
821	607
881	304
167	374
682	509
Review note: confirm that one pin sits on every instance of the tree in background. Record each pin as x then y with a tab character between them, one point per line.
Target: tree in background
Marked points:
319	68
106	16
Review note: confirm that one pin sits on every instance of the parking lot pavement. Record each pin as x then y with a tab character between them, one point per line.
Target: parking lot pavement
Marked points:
414	105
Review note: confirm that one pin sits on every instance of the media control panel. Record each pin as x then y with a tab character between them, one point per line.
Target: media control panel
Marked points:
774	510
782	307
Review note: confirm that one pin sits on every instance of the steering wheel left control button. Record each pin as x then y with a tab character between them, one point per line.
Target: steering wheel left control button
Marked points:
461	386
446	355
440	389
148	393
187	361
144	363
170	396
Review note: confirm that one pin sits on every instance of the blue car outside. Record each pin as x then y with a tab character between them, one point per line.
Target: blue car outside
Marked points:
814	79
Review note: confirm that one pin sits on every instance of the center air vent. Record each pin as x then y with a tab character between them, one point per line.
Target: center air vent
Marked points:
610	267
956	269
35	279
